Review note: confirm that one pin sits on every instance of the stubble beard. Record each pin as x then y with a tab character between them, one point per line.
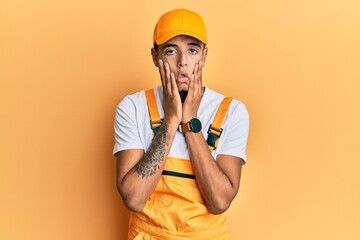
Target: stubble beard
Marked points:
183	95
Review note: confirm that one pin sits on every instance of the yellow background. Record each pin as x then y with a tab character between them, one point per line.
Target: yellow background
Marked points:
65	65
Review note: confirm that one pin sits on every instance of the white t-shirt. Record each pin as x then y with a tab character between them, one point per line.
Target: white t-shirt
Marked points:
132	125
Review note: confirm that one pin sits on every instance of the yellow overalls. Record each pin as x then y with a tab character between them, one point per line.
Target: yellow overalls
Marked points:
176	209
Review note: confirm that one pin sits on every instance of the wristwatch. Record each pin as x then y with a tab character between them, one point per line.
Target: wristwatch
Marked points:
193	126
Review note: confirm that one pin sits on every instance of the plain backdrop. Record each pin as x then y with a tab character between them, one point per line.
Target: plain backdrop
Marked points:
65	65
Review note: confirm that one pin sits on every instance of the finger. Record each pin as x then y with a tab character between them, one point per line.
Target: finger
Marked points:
200	76
168	77
200	71
192	78
173	84
196	76
162	73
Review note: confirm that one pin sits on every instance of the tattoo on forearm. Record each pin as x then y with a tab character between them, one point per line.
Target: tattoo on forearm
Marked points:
149	163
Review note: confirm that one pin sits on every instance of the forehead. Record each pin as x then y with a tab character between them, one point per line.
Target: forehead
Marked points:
182	40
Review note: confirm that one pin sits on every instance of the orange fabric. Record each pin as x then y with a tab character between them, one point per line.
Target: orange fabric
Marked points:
220	115
179	22
153	109
219	119
176	210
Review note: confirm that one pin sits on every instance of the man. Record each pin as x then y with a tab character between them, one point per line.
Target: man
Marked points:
179	147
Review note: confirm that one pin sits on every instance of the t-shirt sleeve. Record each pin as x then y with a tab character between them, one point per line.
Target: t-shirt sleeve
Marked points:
125	126
236	130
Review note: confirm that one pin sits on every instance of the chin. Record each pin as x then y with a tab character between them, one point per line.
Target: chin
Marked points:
183	87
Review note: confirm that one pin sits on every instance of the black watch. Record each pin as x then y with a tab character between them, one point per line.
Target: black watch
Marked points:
193	126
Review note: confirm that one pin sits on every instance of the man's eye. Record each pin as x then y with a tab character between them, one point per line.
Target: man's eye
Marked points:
193	51
170	52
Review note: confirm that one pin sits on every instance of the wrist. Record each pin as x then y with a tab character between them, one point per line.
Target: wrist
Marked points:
187	119
194	125
172	122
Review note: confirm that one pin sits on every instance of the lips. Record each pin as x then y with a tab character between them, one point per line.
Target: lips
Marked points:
182	78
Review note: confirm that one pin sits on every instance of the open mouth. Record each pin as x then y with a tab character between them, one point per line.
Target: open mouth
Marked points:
182	77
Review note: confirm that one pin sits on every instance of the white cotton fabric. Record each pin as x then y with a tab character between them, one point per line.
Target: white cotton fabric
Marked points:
132	125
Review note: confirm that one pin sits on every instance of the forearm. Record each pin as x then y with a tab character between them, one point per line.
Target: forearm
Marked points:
138	184
216	188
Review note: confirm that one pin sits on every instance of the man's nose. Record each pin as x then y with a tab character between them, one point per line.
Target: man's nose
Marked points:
182	61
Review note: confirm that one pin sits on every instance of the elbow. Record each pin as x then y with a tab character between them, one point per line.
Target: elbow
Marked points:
218	207
131	200
132	205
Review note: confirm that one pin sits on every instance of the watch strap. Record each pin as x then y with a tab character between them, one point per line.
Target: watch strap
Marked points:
184	127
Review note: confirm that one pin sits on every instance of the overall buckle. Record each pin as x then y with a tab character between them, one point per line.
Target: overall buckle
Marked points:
213	137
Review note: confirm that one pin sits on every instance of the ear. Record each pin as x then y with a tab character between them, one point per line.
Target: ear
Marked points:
154	55
203	58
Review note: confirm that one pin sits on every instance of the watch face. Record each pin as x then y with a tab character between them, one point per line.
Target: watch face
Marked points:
195	125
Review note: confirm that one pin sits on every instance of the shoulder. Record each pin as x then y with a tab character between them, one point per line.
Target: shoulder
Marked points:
137	100
133	98
140	96
215	98
238	107
211	95
131	105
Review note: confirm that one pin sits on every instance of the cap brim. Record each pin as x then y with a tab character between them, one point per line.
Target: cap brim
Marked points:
166	37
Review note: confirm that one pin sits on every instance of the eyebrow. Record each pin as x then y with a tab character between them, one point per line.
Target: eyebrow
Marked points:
195	44
169	45
189	44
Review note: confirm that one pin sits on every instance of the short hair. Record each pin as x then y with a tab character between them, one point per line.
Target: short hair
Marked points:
156	47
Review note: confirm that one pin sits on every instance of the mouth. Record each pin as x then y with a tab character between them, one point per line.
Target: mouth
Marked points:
182	77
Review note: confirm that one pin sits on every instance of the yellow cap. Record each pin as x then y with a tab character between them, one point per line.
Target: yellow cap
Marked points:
179	22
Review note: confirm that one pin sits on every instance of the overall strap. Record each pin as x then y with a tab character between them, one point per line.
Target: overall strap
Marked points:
215	129
155	120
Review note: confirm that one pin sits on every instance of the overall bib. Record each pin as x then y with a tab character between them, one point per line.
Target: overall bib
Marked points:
176	209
